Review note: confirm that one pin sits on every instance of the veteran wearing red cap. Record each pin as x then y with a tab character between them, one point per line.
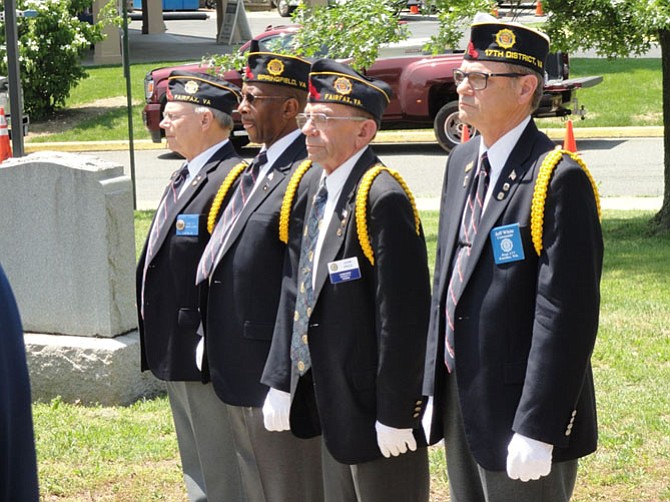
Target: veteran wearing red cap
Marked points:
350	335
516	295
197	122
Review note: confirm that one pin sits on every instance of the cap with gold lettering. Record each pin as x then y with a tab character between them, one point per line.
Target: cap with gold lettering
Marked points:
202	89
272	68
508	43
333	82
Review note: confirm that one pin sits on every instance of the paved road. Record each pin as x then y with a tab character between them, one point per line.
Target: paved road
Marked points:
623	168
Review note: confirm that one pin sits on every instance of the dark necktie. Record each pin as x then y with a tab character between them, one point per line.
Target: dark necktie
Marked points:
472	215
305	296
225	224
164	209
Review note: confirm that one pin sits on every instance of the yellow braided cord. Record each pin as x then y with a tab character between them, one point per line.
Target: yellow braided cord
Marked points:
540	193
362	202
287	202
221	194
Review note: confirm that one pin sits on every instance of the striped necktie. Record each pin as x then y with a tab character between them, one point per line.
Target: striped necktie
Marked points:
164	209
472	215
225	224
305	296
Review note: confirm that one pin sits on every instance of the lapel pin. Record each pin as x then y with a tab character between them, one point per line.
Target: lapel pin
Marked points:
501	195
505	187
469	166
512	175
465	181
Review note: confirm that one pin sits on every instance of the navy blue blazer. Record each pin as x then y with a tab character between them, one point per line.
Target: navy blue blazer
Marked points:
18	465
366	336
524	330
168	330
239	304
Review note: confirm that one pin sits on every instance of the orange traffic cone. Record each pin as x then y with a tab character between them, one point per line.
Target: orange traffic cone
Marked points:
5	148
494	11
414	9
538	8
569	143
465	133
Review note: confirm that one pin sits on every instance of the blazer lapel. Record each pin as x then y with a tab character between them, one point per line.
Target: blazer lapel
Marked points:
194	186
344	210
272	180
514	173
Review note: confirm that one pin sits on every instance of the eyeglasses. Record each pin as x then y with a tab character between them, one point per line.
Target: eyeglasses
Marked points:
250	98
174	116
320	120
479	80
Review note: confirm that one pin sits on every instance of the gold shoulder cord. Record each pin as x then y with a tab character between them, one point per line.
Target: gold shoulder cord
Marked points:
287	202
362	203
221	194
540	193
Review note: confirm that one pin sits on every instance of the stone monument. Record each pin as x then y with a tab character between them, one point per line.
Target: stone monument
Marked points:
68	247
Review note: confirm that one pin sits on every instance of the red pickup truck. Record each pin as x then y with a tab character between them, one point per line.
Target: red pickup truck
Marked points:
423	87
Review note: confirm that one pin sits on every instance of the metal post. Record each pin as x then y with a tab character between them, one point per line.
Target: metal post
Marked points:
13	76
126	74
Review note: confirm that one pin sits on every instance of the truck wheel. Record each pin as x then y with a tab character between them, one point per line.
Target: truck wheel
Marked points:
284	8
448	127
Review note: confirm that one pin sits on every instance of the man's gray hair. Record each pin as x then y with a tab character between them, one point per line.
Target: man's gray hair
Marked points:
539	90
222	118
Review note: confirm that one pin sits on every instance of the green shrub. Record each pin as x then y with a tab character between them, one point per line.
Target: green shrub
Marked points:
51	47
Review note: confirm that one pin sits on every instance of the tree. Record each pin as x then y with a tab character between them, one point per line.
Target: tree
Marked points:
51	47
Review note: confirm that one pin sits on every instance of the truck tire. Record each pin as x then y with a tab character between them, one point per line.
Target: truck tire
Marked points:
284	8
448	127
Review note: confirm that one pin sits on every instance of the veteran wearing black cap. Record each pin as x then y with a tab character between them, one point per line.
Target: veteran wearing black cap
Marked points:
516	287
197	122
350	337
240	274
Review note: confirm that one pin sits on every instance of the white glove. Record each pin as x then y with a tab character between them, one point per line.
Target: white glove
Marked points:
276	410
200	352
393	441
427	420
528	458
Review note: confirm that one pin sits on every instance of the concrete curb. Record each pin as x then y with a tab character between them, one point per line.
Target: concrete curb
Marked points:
384	137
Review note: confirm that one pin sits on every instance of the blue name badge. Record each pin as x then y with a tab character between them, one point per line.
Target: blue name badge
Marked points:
507	245
187	224
344	270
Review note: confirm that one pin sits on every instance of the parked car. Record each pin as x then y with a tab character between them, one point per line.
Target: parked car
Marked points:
424	93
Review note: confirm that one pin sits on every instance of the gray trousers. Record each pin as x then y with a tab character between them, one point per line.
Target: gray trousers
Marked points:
206	447
404	478
275	466
469	482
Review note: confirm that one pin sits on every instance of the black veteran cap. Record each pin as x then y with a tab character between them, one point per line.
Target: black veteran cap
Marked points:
203	90
272	68
507	43
333	82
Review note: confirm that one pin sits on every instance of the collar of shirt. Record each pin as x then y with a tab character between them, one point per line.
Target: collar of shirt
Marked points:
198	162
334	184
499	152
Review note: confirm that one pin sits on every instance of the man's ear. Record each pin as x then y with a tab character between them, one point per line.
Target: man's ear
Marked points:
206	120
366	133
527	86
291	108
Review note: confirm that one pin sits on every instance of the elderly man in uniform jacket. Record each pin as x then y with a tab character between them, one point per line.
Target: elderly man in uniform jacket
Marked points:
197	122
351	351
240	274
516	287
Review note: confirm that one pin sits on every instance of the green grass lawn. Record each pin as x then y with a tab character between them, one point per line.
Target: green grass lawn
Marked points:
96	109
130	453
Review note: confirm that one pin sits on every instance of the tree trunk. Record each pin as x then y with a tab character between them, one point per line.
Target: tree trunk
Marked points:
661	220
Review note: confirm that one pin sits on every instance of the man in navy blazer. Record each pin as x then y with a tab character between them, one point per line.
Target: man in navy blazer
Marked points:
350	336
197	122
18	466
241	279
516	295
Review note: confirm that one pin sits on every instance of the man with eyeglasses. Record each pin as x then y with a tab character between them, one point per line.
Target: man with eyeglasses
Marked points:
350	336
197	122
240	274
516	287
